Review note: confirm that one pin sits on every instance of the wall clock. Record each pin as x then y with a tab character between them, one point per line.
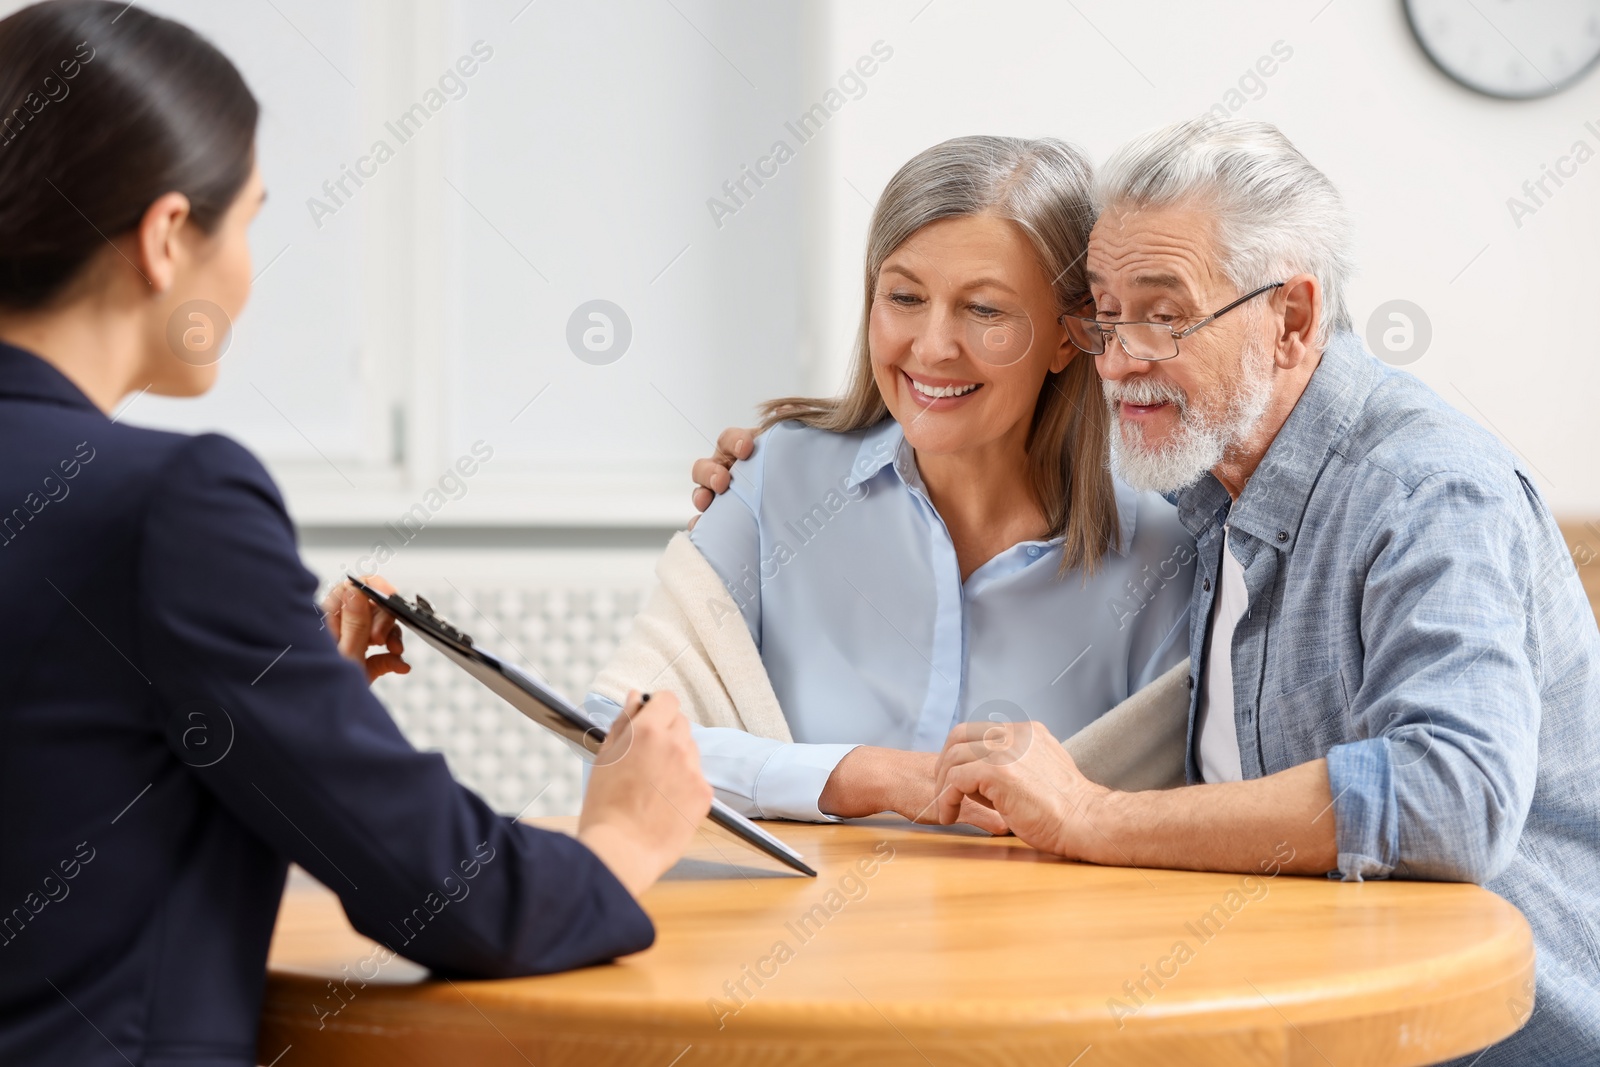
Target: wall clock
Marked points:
1513	49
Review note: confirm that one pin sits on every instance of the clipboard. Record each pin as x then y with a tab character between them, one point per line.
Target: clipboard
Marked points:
552	711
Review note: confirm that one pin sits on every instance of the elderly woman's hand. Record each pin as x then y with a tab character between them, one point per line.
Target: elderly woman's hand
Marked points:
357	624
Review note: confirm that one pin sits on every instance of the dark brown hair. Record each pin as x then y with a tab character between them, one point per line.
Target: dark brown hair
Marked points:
103	109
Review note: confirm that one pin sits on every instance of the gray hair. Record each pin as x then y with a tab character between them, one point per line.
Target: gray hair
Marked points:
1275	213
1045	187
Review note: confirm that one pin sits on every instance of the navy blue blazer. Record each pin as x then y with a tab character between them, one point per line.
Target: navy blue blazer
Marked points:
176	725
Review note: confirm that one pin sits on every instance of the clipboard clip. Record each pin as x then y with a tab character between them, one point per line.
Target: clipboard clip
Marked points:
421	607
425	609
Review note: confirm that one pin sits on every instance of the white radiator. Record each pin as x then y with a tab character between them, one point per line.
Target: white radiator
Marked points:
558	613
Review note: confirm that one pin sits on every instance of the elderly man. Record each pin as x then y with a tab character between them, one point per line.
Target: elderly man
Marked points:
1394	669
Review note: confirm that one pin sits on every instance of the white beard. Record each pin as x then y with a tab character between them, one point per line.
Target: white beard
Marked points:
1201	439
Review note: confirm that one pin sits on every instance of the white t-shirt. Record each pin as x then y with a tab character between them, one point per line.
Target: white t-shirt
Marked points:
1218	754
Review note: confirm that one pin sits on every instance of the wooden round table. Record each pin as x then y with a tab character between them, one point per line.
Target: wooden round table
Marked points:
921	947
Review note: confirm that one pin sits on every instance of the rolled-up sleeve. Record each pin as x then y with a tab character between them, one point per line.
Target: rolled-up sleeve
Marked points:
1440	778
1365	811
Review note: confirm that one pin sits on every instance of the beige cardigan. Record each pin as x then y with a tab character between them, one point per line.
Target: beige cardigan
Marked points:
691	639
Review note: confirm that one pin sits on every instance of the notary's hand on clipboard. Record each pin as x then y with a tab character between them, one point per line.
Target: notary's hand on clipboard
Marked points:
639	763
358	624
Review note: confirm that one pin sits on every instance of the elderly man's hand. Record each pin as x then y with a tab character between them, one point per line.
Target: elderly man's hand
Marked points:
714	475
1023	773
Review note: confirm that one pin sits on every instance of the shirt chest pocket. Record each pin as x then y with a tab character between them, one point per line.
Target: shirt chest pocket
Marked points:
1302	723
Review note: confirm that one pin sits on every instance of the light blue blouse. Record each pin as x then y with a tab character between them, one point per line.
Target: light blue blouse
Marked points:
848	582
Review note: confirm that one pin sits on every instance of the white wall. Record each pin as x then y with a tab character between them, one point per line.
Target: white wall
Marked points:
1426	165
423	310
579	165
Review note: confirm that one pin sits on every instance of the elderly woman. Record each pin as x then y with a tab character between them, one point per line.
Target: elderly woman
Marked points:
943	542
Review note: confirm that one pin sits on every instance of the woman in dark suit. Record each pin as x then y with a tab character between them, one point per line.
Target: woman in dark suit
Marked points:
176	722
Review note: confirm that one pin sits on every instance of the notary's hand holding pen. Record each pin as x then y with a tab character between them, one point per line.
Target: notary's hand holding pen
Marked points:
646	794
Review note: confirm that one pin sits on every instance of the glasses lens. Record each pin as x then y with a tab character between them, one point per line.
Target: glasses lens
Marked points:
1147	340
1086	334
999	337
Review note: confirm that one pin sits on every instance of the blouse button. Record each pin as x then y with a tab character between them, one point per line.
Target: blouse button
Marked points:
1206	585
1283	535
1033	550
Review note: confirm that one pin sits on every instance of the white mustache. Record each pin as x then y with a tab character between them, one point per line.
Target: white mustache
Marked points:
1145	391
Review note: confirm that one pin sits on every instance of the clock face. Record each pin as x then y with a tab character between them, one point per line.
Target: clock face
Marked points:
1509	48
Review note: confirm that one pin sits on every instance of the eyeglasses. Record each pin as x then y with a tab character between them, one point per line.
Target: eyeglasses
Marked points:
1149	341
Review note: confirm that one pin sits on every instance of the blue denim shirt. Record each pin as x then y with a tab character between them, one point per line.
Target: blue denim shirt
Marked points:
1414	617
